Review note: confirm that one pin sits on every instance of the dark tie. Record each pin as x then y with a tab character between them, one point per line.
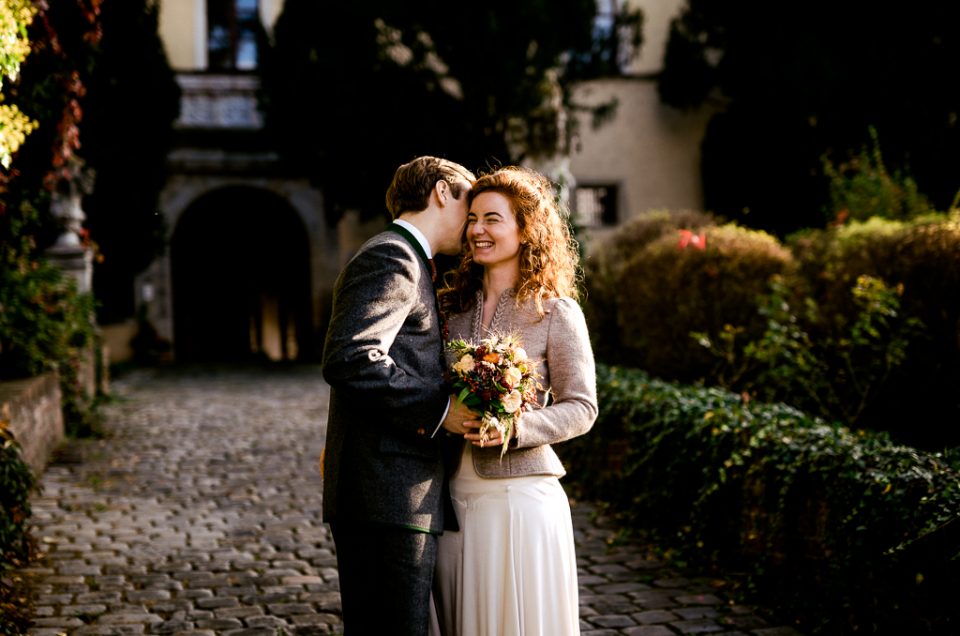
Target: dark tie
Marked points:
433	271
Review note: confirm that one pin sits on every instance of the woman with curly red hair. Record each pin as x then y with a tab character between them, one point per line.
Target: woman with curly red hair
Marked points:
511	568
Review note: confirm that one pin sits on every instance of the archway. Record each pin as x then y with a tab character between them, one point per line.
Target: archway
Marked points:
240	263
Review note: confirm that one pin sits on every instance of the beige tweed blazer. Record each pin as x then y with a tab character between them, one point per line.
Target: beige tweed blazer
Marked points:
560	342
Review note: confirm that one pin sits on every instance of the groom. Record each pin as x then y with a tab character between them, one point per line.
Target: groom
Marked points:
384	491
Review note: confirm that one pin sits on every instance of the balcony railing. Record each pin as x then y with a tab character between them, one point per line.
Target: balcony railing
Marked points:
213	101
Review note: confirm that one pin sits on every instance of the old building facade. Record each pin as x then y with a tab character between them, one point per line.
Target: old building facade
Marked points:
251	259
648	156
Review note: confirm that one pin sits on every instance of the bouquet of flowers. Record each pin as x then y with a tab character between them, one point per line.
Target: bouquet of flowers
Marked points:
495	377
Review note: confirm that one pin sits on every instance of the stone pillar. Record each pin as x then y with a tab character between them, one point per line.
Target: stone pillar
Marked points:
69	253
76	261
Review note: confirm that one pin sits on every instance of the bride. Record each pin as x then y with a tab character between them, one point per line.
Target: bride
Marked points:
511	568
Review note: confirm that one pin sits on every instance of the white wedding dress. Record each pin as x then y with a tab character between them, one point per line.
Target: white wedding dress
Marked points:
511	570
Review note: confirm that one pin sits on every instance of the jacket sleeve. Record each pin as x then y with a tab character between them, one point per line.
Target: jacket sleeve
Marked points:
376	295
573	382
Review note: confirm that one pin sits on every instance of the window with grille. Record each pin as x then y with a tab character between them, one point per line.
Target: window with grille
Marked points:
596	205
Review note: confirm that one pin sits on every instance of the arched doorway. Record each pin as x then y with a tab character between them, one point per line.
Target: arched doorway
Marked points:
240	263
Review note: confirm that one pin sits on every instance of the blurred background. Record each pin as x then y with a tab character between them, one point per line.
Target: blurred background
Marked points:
766	195
205	167
234	153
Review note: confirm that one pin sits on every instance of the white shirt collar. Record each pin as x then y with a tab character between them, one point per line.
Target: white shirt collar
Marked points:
417	234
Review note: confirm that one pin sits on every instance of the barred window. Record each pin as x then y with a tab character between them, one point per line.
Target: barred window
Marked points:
596	205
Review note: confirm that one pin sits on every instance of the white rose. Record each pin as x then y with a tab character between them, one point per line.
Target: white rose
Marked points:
464	364
519	354
512	377
512	401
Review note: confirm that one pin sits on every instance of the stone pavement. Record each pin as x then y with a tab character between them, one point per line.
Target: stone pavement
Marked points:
201	515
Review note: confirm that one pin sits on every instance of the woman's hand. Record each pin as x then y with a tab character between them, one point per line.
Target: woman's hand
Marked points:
490	439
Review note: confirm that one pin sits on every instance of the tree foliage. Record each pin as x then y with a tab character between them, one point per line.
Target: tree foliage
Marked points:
15	17
100	66
50	88
797	82
351	90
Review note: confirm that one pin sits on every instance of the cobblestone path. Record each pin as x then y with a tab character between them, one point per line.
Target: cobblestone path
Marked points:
201	515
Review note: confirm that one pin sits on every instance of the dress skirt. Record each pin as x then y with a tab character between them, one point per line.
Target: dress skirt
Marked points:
511	570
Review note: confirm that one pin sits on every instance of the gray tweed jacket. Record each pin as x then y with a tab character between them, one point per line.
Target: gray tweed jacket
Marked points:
383	359
561	343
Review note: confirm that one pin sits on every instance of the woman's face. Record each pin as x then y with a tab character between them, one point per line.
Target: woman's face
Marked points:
493	235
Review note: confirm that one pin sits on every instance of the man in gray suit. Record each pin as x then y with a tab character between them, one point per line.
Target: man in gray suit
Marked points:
384	491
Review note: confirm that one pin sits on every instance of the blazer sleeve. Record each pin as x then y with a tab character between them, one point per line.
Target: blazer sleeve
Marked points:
573	382
376	296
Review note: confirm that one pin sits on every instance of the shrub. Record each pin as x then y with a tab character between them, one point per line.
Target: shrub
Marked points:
862	188
834	371
845	531
921	258
604	267
831	260
886	357
640	231
928	267
45	324
16	484
667	291
43	319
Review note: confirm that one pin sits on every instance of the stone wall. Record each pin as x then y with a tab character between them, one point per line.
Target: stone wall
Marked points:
32	409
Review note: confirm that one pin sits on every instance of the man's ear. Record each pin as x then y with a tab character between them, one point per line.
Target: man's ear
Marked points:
442	190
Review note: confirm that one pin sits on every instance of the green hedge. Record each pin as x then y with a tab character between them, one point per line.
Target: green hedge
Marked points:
845	532
651	287
920	258
46	324
751	314
16	484
603	271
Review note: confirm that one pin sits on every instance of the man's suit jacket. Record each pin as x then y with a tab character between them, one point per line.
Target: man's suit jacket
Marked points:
383	360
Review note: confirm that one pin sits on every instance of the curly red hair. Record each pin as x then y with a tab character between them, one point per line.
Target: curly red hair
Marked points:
549	255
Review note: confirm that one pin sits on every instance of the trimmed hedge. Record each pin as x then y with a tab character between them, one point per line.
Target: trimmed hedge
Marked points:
698	315
603	271
921	257
650	299
845	532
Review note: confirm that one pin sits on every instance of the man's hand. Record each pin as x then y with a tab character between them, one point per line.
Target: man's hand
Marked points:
457	415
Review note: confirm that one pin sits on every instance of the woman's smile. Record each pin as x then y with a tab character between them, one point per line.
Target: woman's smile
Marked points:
492	229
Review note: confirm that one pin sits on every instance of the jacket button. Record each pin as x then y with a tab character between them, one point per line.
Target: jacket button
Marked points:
420	431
